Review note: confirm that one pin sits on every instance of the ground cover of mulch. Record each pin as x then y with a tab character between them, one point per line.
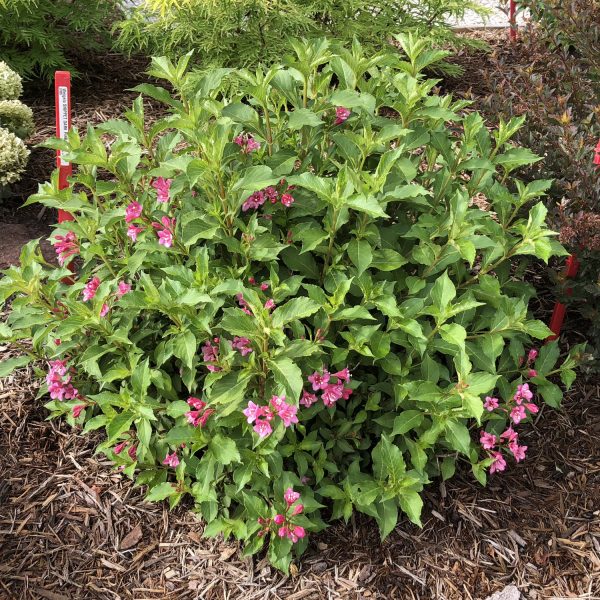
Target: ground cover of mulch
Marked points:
73	528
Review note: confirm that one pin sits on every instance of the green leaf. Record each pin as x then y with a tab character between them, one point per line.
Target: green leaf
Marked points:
388	462
360	254
119	423
388	517
297	308
443	292
407	420
367	205
9	365
185	348
551	393
229	392
387	260
224	450
236	322
255	178
160	492
412	504
547	358
538	329
287	374
458	436
454	334
303	117
178	408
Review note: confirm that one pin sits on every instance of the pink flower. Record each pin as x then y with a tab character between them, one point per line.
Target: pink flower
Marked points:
531	407
162	187
290	496
517	414
246	142
242	344
499	463
286	412
104	310
65	247
490	403
532	373
264	286
319	381
270	304
287	200
279	519
119	447
282	532
255	200
133	211
243	304
165	234
204	418
77	410
344	374
341	115
298	533
123	288
210	353
487	440
332	393
263	428
517	451
196	403
132	452
533	354
90	289
307	399
297	509
251	280
510	434
171	460
133	231
252	412
523	393
346	393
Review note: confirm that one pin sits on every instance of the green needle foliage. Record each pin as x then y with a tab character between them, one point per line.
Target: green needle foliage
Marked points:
242	32
38	37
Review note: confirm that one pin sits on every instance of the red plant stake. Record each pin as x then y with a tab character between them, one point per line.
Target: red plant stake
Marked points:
558	315
513	20
62	99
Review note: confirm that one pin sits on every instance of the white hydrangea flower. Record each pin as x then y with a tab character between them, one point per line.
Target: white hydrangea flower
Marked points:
13	157
10	83
16	117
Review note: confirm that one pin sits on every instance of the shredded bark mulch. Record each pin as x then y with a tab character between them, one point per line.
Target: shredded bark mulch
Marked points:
72	527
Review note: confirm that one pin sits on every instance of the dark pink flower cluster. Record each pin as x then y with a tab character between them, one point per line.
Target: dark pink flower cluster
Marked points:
331	391
597	155
162	187
242	344
262	416
59	381
283	521
264	286
132	452
516	410
90	289
166	230
210	355
341	115
65	247
272	194
171	460
199	416
246	142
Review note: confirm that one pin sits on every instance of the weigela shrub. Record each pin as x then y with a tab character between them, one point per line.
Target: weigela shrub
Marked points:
285	304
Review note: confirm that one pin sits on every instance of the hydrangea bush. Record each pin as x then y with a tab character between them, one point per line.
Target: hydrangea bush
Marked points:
284	304
16	124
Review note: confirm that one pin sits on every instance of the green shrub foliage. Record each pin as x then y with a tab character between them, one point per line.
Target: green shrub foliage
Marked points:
38	37
285	304
232	33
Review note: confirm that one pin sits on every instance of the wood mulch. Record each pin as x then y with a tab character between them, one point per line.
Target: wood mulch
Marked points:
73	528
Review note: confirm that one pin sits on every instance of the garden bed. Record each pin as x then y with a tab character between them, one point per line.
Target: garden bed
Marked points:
73	528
